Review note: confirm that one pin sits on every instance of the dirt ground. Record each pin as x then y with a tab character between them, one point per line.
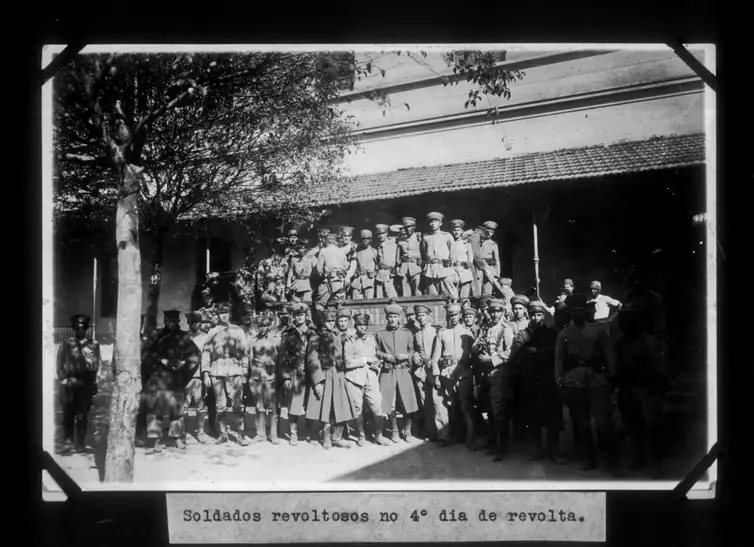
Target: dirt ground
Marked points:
308	465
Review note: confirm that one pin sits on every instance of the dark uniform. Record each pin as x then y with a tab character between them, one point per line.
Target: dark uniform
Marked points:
519	321
410	270
541	405
196	393
292	372
395	348
225	363
424	339
331	403
78	362
387	261
642	372
584	363
174	357
263	357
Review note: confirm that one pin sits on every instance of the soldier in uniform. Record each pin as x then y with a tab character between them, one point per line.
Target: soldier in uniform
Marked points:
395	350
493	348
387	260
519	321
332	268
410	270
78	362
436	245
298	282
411	323
271	277
424	339
568	286
470	317
346	241
642	372
174	357
331	404
195	391
282	310
362	285
534	355
292	370
462	259
489	255
362	369
263	356
225	370
605	307
559	310
452	379
584	365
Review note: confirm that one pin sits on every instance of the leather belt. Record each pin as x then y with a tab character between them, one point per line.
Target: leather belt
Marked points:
462	264
444	262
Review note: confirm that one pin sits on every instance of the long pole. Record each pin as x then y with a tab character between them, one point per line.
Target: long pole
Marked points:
94	300
207	258
536	255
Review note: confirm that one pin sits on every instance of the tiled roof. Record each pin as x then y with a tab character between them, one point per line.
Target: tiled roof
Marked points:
589	161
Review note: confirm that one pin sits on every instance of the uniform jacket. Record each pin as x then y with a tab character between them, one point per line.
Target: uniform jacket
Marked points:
78	357
366	268
300	273
496	341
263	356
325	365
333	262
392	343
360	353
462	260
226	352
436	247
583	355
292	353
410	255
387	257
451	355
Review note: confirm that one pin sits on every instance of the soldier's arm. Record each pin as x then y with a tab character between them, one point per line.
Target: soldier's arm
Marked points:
469	254
207	355
381	351
437	347
313	367
62	355
560	353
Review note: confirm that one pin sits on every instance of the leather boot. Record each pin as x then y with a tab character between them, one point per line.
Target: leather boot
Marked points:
360	428
378	438
81	428
313	430
502	448
553	437
294	431
469	442
222	429
394	435
274	428
259	435
201	436
326	440
407	423
337	437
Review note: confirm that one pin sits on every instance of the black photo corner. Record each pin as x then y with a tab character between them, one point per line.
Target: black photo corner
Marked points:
633	518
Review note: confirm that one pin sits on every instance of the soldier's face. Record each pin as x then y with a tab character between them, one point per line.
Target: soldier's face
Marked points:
204	327
422	318
496	315
538	318
434	225
346	238
595	291
330	325
457	231
409	229
361	329
299	318
292	241
518	311
382	237
393	319
171	324
568	287
224	317
263	330
365	242
454	319
79	332
343	323
283	318
469	320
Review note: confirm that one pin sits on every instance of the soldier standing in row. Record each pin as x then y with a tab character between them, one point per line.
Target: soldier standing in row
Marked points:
642	372
490	255
461	259
282	310
493	348
225	370
195	391
518	322
452	379
395	351
78	362
424	340
387	258
436	247
362	370
411	323
362	285
533	355
174	357
298	280
346	242
332	269
410	269
584	365
331	404
292	370
263	356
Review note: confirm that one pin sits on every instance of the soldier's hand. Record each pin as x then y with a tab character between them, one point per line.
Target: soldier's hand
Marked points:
401	357
390	359
318	390
207	381
287	386
94	388
437	383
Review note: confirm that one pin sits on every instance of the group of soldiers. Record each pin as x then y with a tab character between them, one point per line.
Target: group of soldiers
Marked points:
402	262
501	366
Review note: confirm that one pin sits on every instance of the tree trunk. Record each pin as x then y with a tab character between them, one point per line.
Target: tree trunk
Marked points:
155	279
119	459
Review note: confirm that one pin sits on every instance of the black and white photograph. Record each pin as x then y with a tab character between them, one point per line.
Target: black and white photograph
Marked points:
379	267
